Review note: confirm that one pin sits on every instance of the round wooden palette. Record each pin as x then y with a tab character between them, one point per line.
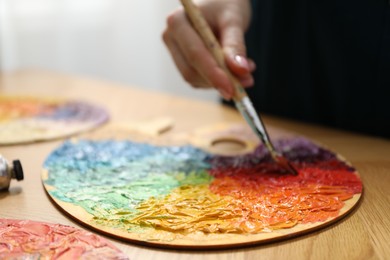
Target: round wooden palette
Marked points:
28	119
26	239
186	197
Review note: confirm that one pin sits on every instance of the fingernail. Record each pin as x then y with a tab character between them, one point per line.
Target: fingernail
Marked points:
242	61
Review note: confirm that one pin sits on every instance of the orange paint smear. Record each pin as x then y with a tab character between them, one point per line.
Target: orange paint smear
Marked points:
280	201
11	108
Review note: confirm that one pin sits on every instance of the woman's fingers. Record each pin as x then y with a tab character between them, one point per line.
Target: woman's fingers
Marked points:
186	70
193	59
229	20
232	40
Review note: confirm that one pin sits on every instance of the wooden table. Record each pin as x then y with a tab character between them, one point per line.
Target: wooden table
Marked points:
364	234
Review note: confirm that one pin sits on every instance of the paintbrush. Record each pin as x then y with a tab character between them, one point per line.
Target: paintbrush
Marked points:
241	99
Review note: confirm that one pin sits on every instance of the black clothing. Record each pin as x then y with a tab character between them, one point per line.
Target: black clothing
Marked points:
325	62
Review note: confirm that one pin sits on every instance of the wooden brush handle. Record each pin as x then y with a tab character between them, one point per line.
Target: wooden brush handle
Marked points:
201	26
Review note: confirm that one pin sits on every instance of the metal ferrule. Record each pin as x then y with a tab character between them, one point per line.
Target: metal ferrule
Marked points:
249	113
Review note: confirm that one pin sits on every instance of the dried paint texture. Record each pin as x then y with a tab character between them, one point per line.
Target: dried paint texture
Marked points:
24	119
23	239
182	190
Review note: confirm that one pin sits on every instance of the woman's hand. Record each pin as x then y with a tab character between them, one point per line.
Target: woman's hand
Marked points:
229	20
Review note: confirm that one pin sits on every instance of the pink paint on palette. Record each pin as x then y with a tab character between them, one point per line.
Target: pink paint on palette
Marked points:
25	239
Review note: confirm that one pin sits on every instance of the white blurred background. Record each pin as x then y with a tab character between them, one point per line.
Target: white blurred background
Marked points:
115	40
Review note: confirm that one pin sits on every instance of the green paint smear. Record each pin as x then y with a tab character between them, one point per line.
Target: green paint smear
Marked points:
114	206
109	199
109	179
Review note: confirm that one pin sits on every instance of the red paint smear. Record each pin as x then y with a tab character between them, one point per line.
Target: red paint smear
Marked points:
270	199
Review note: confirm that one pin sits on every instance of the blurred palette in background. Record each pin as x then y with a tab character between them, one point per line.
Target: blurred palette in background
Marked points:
26	119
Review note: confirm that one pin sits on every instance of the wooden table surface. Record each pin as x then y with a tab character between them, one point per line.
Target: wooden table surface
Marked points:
364	234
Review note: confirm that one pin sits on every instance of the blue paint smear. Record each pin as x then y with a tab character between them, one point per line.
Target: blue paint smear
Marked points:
121	174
